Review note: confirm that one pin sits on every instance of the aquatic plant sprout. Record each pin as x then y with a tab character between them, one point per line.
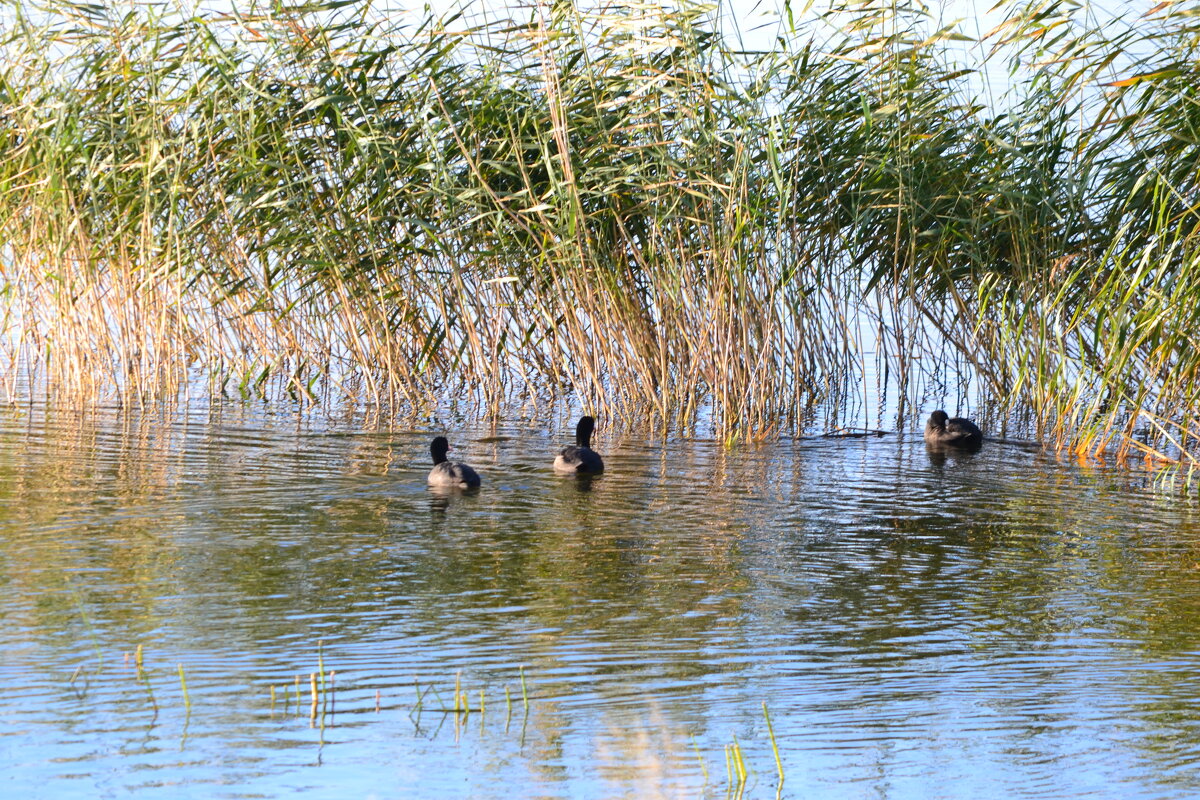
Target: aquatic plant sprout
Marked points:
615	203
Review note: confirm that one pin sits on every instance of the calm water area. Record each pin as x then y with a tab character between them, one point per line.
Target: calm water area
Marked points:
999	625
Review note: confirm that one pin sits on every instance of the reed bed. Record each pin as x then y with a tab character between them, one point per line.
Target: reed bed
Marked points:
620	204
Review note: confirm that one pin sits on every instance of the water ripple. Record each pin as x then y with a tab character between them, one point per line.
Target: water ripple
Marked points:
912	622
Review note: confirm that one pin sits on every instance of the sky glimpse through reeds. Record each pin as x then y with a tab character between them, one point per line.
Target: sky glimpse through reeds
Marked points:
616	204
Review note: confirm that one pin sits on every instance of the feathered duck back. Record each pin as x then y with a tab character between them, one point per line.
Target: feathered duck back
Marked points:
580	459
450	474
952	431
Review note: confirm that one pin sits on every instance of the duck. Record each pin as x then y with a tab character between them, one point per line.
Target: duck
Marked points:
952	431
580	459
450	474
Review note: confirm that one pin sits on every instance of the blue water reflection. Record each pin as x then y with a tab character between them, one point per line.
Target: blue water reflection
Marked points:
991	625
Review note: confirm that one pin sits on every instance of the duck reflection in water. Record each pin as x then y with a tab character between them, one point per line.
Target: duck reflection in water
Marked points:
439	501
939	454
582	482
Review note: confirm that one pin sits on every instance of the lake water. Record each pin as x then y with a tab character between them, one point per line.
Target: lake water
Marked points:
997	625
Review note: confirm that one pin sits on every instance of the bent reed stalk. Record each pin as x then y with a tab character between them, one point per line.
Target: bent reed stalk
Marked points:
617	203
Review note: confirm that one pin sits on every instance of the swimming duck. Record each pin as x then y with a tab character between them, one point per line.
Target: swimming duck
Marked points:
952	431
450	474
580	459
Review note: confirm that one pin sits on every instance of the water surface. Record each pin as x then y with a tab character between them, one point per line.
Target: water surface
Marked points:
995	625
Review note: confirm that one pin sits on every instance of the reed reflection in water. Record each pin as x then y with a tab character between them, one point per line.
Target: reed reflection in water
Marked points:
989	624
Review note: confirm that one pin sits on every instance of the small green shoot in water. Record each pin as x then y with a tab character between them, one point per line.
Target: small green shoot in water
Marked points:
700	758
143	678
735	767
187	699
74	677
774	744
321	663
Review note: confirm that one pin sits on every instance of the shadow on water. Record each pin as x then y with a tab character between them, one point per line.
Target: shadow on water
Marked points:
915	619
